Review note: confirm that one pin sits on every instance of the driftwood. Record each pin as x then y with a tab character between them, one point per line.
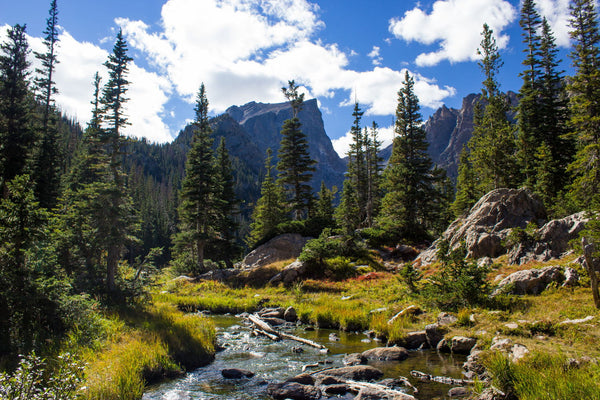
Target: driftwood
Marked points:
267	334
305	367
266	328
591	267
380	388
440	379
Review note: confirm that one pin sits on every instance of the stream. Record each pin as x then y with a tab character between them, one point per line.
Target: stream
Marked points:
275	362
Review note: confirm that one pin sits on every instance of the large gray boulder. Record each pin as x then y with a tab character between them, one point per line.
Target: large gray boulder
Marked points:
280	248
531	281
355	373
489	222
290	273
386	354
293	390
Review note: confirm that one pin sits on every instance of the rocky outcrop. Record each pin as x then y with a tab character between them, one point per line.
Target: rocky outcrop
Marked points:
531	281
489	222
280	248
289	274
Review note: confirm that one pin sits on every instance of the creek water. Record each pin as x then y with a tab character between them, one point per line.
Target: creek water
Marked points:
276	362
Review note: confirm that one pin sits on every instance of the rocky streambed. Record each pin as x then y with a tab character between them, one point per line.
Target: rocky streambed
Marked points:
253	367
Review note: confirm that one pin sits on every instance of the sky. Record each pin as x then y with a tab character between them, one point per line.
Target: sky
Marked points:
339	51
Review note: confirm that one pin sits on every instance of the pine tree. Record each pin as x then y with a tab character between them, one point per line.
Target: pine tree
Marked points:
113	101
529	113
373	162
324	207
295	165
408	177
17	137
584	91
493	143
49	159
200	192
227	204
269	211
357	167
466	193
347	214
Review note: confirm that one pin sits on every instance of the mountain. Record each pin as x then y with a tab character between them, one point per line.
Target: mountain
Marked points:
449	129
262	122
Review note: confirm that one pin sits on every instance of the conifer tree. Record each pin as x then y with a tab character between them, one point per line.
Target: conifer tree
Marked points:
357	166
295	165
119	205
200	192
584	91
373	162
408	177
49	160
17	137
529	113
466	193
324	207
227	203
269	211
493	143
347	214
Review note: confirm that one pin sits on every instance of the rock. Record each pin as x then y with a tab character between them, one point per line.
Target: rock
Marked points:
280	248
443	346
434	333
338	389
236	373
274	321
297	350
571	277
305	379
489	222
355	372
386	354
501	344
220	275
333	337
444	319
290	314
517	352
330	380
485	262
491	394
410	310
293	390
289	274
530	281
512	326
415	340
378	310
473	366
458	392
271	312
355	359
462	345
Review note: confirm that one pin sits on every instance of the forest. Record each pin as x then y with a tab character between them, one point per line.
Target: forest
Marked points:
93	224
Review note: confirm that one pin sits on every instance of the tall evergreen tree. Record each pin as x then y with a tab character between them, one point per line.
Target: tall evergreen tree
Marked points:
373	162
357	166
295	165
17	136
200	192
347	214
408	177
49	160
584	91
324	208
529	113
466	192
113	101
493	143
269	211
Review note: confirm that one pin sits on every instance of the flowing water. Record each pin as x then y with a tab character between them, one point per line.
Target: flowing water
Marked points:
276	361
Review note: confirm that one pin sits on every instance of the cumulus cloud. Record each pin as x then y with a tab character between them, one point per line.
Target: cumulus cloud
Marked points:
375	57
342	144
557	14
454	24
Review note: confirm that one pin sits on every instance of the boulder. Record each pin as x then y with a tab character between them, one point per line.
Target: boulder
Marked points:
530	281
462	345
236	373
489	222
445	319
459	392
355	359
305	379
289	274
293	390
290	314
355	373
434	333
386	354
571	277
414	340
337	389
280	248
220	275
271	312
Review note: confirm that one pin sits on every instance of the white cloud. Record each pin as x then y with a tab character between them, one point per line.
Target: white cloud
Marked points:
557	14
375	56
454	24
342	144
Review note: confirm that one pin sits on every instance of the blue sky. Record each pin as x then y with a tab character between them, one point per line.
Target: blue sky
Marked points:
246	50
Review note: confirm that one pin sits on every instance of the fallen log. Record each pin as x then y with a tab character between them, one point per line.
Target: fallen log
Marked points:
440	379
305	367
267	334
380	388
266	328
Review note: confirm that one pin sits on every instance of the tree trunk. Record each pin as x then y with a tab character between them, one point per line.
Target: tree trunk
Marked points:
591	267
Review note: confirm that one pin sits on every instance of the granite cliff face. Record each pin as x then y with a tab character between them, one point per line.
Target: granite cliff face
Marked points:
263	122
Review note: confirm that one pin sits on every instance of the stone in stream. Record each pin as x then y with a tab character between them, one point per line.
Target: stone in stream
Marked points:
355	359
435	333
355	373
290	314
304	379
458	392
386	354
236	373
293	390
414	340
336	390
462	345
